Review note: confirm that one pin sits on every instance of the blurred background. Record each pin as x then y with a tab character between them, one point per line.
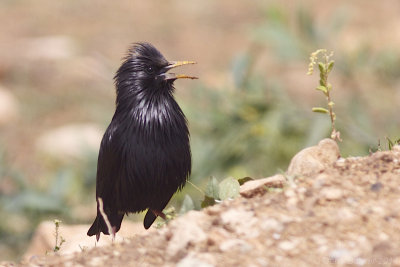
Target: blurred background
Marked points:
249	112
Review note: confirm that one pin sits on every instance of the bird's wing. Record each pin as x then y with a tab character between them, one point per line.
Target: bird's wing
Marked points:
108	165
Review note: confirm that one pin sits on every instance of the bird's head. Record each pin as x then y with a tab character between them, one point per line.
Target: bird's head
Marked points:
146	70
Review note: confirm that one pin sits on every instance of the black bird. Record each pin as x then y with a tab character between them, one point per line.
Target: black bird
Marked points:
144	155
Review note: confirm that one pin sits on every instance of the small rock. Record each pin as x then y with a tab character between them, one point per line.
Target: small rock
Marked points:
320	240
378	210
340	256
331	193
352	201
292	202
292	197
276	236
341	162
271	224
376	187
237	216
313	159
360	261
345	214
320	181
290	193
237	244
259	186
383	237
191	261
97	261
116	253
287	245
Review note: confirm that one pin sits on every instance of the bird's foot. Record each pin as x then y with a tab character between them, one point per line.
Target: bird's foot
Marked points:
159	213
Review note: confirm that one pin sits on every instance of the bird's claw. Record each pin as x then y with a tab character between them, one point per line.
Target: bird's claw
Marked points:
159	213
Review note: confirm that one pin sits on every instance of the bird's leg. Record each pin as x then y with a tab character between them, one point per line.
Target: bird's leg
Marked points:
159	213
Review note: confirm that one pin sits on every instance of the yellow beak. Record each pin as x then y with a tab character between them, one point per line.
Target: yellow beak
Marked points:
174	64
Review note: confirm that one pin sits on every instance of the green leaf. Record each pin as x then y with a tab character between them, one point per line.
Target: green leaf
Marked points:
330	66
322	88
390	143
321	67
212	189
187	205
228	188
207	201
320	110
244	180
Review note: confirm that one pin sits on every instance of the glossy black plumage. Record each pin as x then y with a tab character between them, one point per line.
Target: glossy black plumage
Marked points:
144	156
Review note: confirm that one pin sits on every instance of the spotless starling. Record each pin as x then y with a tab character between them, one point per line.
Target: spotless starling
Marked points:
144	155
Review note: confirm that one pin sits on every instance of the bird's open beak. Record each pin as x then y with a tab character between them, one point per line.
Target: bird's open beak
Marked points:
174	76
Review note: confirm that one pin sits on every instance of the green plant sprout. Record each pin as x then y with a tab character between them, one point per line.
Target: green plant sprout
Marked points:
216	191
325	66
170	214
58	236
391	143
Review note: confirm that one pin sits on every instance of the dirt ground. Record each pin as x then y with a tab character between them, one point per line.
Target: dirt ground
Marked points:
345	214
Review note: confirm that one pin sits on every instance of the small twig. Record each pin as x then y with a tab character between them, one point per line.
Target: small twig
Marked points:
104	215
195	186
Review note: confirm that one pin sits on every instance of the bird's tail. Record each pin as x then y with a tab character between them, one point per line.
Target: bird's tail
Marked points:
100	226
153	213
149	219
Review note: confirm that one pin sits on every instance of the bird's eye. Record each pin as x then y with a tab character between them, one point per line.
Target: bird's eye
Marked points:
149	69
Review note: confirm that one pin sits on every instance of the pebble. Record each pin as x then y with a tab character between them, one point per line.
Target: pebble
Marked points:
191	261
252	188
345	214
271	224
331	193
313	159
276	236
340	256
237	244
287	245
